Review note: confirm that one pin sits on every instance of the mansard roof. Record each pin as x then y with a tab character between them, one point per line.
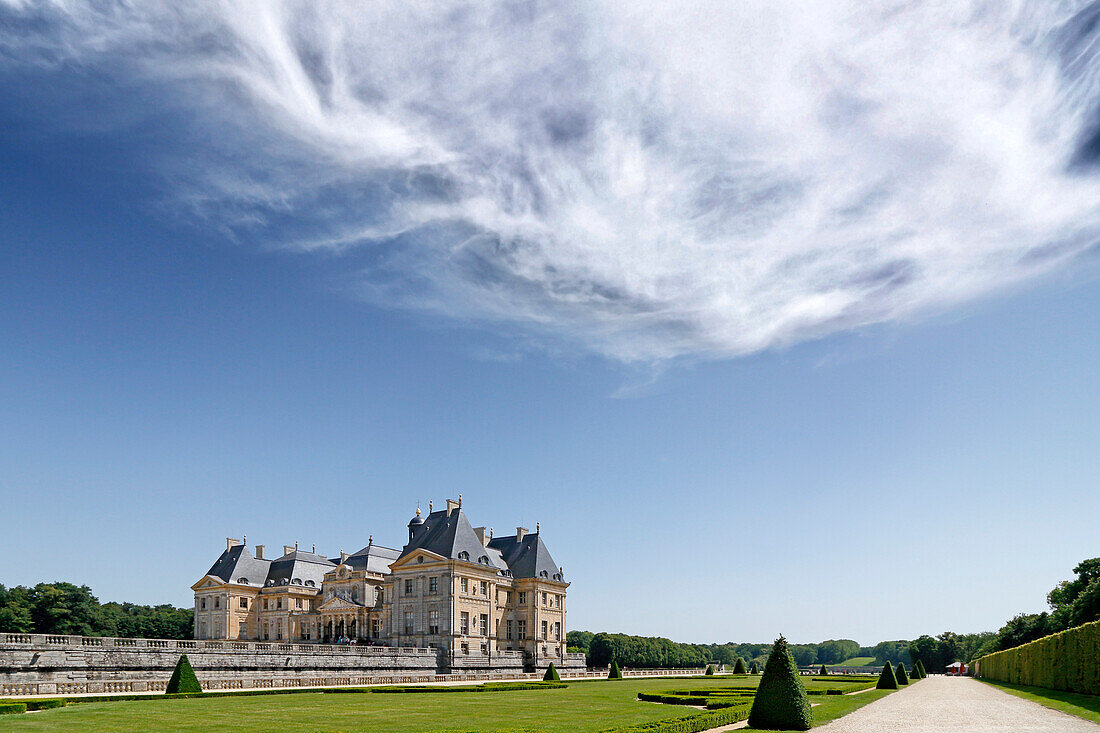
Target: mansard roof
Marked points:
527	558
450	535
374	558
237	564
298	567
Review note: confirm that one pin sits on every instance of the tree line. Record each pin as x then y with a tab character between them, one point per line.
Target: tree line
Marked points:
652	651
65	608
1072	603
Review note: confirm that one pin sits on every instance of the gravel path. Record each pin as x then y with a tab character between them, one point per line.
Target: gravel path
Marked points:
956	704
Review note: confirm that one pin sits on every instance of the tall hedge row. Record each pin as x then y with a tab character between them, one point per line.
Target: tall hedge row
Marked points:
1069	660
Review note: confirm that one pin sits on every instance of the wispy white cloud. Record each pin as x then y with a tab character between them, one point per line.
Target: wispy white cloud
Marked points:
651	179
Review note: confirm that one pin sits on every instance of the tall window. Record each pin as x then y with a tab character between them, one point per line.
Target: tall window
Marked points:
242	630
217	601
408	586
433	622
543	629
297	602
375	627
243	602
484	588
545	602
557	631
484	618
202	604
508	627
464	623
409	628
278	603
465	584
522	598
521	628
433	585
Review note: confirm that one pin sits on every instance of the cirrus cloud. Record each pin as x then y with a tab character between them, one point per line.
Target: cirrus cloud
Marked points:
652	180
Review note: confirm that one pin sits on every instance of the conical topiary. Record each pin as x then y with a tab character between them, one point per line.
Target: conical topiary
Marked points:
886	680
710	670
823	670
614	673
780	702
183	678
551	674
739	666
903	679
754	668
920	668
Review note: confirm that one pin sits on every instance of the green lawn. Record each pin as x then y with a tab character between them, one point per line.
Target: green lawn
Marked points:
584	707
1074	703
855	662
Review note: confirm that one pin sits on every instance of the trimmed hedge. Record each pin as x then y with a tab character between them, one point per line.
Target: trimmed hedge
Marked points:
614	673
824	672
1069	660
710	670
887	680
903	679
919	666
739	666
780	702
755	668
690	724
551	674
12	708
45	703
183	678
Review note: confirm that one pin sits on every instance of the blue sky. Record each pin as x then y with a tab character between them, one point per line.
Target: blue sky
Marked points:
220	314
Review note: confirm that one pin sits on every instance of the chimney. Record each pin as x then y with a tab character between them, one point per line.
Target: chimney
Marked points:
343	556
260	552
230	543
481	536
287	549
452	505
521	532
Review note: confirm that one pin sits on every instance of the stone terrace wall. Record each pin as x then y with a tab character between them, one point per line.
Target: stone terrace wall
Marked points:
38	664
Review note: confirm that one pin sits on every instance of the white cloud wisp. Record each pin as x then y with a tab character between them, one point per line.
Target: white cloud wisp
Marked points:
650	179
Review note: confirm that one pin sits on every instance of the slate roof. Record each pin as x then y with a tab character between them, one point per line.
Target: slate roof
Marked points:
299	565
450	537
236	563
526	558
375	558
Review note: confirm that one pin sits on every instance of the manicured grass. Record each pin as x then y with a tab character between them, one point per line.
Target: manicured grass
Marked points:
855	662
584	707
1074	703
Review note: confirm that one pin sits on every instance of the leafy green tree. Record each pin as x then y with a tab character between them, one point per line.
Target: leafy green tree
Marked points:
15	611
887	680
183	678
64	608
739	666
900	676
579	640
780	702
551	674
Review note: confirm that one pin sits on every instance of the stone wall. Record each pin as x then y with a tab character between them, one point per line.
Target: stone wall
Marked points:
39	664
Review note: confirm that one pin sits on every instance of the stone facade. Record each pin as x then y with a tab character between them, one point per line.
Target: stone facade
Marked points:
480	602
38	664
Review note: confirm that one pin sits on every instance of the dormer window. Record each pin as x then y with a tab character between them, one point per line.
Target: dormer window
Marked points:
311	584
243	581
464	556
544	574
484	559
297	581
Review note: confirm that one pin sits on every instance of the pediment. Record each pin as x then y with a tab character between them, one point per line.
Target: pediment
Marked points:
336	603
208	582
411	559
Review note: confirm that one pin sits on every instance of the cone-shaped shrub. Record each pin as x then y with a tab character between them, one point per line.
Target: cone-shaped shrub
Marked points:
551	674
919	666
887	680
614	674
902	678
183	678
739	666
710	670
780	702
755	668
823	670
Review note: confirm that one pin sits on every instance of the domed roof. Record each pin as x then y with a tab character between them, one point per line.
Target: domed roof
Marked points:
417	520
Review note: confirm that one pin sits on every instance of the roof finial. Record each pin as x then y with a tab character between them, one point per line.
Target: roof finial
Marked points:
314	551
429	506
244	541
537	527
370	540
418	510
490	533
295	545
460	501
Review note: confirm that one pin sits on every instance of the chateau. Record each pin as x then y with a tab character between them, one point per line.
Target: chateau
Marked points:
453	587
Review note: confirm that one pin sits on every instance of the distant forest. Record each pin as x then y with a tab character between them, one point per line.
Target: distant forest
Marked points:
64	608
649	651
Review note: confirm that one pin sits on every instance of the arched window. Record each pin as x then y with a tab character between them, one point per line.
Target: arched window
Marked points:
464	556
484	559
355	593
544	574
311	584
243	581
